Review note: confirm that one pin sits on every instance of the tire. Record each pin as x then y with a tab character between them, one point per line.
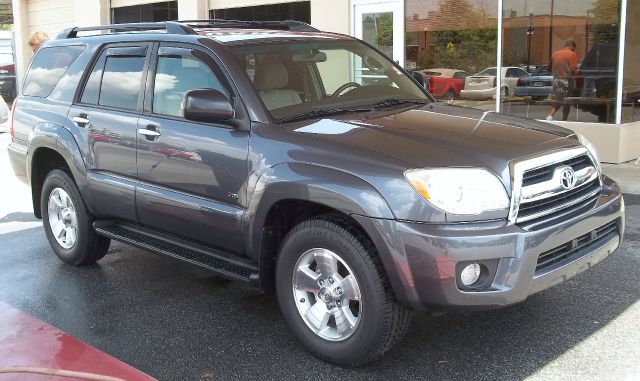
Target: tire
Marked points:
76	243
449	96
380	321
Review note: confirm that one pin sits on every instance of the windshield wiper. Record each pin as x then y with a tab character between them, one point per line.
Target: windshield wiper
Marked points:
320	113
392	102
386	103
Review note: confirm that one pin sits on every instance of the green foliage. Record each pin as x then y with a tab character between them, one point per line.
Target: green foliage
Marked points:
464	38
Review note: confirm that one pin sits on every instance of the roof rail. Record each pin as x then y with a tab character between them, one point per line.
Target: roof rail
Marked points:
291	25
171	27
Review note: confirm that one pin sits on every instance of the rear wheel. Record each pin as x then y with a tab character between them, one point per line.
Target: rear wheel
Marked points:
67	222
334	294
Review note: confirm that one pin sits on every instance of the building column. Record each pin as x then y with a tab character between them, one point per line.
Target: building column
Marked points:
92	12
20	35
193	9
331	15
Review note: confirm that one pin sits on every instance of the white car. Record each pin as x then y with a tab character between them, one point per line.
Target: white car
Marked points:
483	85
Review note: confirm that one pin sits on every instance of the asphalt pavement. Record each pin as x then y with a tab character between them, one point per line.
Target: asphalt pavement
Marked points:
175	322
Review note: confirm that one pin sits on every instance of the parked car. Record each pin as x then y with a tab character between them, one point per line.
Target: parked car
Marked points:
7	66
483	85
538	85
445	83
596	79
354	205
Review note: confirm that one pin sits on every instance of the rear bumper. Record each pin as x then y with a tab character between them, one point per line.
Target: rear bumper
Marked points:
18	160
524	91
422	260
478	94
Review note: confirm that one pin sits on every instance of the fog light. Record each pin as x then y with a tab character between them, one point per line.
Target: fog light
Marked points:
470	274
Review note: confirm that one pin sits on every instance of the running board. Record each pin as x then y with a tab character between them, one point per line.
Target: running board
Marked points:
219	262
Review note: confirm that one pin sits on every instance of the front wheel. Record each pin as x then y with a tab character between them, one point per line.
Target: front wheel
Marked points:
67	222
334	294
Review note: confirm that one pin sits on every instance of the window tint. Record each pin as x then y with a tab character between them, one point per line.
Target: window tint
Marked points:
460	75
47	68
175	75
121	80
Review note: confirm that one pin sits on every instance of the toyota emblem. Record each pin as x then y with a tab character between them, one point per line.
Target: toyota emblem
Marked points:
568	178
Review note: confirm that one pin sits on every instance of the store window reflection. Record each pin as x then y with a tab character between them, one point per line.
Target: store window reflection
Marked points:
453	43
631	76
534	30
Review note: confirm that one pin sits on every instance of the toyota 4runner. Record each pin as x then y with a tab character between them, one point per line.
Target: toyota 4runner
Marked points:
305	163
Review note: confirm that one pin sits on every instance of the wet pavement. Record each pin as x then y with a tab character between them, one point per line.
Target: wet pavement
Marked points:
175	322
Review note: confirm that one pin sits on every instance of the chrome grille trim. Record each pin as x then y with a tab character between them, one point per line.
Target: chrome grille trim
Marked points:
559	207
535	192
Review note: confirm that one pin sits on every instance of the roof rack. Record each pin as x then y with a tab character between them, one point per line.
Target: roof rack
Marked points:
171	27
291	25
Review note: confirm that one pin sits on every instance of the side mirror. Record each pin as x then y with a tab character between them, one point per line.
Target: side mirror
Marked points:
207	105
419	77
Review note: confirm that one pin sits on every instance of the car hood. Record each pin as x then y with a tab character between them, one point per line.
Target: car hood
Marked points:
441	135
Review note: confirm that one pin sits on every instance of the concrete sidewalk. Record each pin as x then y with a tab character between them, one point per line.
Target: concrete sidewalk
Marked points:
627	175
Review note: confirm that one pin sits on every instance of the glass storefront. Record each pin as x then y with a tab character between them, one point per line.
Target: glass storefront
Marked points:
542	33
300	11
454	44
161	11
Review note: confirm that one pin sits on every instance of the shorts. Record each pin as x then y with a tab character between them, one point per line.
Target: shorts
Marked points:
561	88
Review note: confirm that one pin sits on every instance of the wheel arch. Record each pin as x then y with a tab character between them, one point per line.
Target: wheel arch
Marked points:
290	193
52	146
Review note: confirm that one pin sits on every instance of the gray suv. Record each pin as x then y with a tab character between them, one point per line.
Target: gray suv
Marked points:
305	163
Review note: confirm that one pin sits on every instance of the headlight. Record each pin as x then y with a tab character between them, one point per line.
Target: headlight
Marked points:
464	191
592	149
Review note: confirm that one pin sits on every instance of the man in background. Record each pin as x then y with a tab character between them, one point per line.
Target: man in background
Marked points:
563	65
36	39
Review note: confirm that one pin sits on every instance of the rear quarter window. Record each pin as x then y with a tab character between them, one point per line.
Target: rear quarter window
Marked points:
47	68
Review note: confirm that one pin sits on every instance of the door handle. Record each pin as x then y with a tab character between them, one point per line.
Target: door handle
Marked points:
81	120
146	132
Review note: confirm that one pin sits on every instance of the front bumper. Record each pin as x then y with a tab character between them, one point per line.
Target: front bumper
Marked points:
420	259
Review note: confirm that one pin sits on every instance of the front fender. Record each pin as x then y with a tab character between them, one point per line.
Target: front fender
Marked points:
322	185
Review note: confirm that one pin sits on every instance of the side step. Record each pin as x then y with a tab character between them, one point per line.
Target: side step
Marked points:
219	262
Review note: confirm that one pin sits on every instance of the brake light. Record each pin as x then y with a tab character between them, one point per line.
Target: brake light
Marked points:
520	82
431	85
7	69
13	110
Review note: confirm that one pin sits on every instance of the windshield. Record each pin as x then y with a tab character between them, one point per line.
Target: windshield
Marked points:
297	78
488	71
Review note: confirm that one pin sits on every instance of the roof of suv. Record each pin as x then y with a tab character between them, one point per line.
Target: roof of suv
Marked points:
237	36
223	31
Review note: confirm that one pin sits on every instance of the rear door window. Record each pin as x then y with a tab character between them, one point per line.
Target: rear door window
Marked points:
47	68
116	78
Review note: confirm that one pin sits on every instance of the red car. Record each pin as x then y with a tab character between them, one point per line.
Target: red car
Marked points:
445	83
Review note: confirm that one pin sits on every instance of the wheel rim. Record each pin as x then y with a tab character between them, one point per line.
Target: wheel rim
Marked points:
327	294
62	218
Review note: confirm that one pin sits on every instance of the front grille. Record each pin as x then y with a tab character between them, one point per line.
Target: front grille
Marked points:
549	206
538	175
576	248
